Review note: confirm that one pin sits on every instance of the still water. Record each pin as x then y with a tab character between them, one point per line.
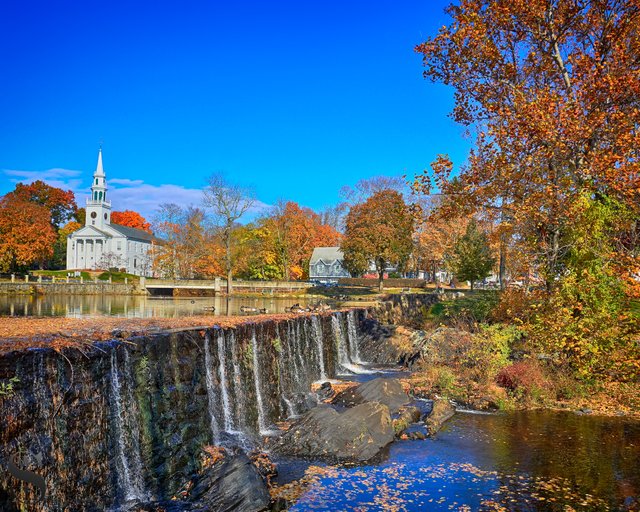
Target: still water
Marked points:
77	306
536	460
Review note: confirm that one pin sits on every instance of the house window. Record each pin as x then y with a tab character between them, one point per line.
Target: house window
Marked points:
135	263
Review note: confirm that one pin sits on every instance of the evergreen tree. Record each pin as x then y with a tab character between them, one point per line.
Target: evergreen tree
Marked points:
471	258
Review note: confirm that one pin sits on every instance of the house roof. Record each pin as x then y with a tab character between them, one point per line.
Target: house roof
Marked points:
137	234
326	254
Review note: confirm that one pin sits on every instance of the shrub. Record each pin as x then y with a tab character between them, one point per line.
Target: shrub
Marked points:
524	378
490	349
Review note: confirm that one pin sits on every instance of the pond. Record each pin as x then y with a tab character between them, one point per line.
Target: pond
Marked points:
536	460
132	306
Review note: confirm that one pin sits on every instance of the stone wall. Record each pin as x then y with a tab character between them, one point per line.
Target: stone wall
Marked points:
88	288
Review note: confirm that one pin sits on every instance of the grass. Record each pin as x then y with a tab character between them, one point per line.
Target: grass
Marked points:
59	273
117	277
475	306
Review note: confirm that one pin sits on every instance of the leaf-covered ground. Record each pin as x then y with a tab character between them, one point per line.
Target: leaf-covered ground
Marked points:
19	333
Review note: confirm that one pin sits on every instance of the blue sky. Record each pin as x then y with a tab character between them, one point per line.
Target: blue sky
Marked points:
295	99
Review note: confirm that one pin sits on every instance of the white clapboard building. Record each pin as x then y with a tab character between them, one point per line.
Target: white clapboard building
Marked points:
101	245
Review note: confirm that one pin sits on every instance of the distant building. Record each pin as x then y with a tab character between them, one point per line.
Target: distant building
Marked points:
326	265
102	245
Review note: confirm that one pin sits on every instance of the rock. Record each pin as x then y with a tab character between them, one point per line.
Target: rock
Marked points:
356	434
405	417
233	484
424	405
442	411
388	392
325	391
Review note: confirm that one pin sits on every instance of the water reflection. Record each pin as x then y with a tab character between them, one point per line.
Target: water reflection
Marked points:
136	306
537	460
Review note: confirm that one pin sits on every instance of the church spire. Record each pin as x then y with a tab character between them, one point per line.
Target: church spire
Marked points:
99	170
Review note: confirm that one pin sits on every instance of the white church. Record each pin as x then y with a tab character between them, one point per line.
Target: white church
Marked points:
100	245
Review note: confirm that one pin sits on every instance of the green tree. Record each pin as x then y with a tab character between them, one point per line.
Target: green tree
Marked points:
471	258
380	231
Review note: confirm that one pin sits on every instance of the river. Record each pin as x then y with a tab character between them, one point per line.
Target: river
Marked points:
536	460
135	306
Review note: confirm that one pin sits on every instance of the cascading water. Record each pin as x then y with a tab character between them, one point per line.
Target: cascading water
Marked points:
222	373
352	334
344	359
133	428
317	334
256	380
237	383
211	391
129	482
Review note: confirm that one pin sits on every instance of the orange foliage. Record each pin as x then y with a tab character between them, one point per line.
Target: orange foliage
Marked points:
26	234
131	219
554	88
60	203
296	231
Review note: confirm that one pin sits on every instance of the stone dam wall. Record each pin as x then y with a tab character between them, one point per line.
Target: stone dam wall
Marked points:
126	420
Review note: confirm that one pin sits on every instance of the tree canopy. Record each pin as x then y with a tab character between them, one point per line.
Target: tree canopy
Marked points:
378	231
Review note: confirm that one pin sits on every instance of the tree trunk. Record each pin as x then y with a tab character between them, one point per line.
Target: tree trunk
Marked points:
381	276
503	263
471	281
227	243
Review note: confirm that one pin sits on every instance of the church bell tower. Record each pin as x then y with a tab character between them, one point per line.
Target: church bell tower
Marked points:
98	208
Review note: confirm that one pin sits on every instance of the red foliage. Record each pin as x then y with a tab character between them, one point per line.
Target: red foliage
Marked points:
524	375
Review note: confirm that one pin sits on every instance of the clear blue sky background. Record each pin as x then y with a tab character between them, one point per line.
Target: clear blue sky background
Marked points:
294	98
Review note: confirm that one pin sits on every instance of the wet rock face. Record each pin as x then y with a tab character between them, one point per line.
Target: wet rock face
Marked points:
357	434
235	484
388	392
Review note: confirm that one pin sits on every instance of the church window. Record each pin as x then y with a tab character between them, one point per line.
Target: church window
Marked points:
96	181
135	263
95	196
105	216
119	246
94	215
100	196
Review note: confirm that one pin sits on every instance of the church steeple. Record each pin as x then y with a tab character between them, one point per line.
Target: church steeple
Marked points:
98	208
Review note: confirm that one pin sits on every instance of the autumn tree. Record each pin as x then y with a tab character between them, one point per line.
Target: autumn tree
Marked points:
553	91
189	248
295	232
26	233
471	259
378	231
60	203
131	219
228	203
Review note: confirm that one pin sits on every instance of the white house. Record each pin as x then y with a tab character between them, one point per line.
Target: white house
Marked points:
103	245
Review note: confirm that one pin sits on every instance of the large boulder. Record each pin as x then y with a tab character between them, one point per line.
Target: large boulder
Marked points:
232	484
356	434
388	392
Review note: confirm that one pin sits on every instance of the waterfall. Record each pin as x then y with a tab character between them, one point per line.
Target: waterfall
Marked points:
129	479
133	427
344	360
222	372
291	350
343	356
256	379
291	410
211	392
317	334
237	383
352	334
